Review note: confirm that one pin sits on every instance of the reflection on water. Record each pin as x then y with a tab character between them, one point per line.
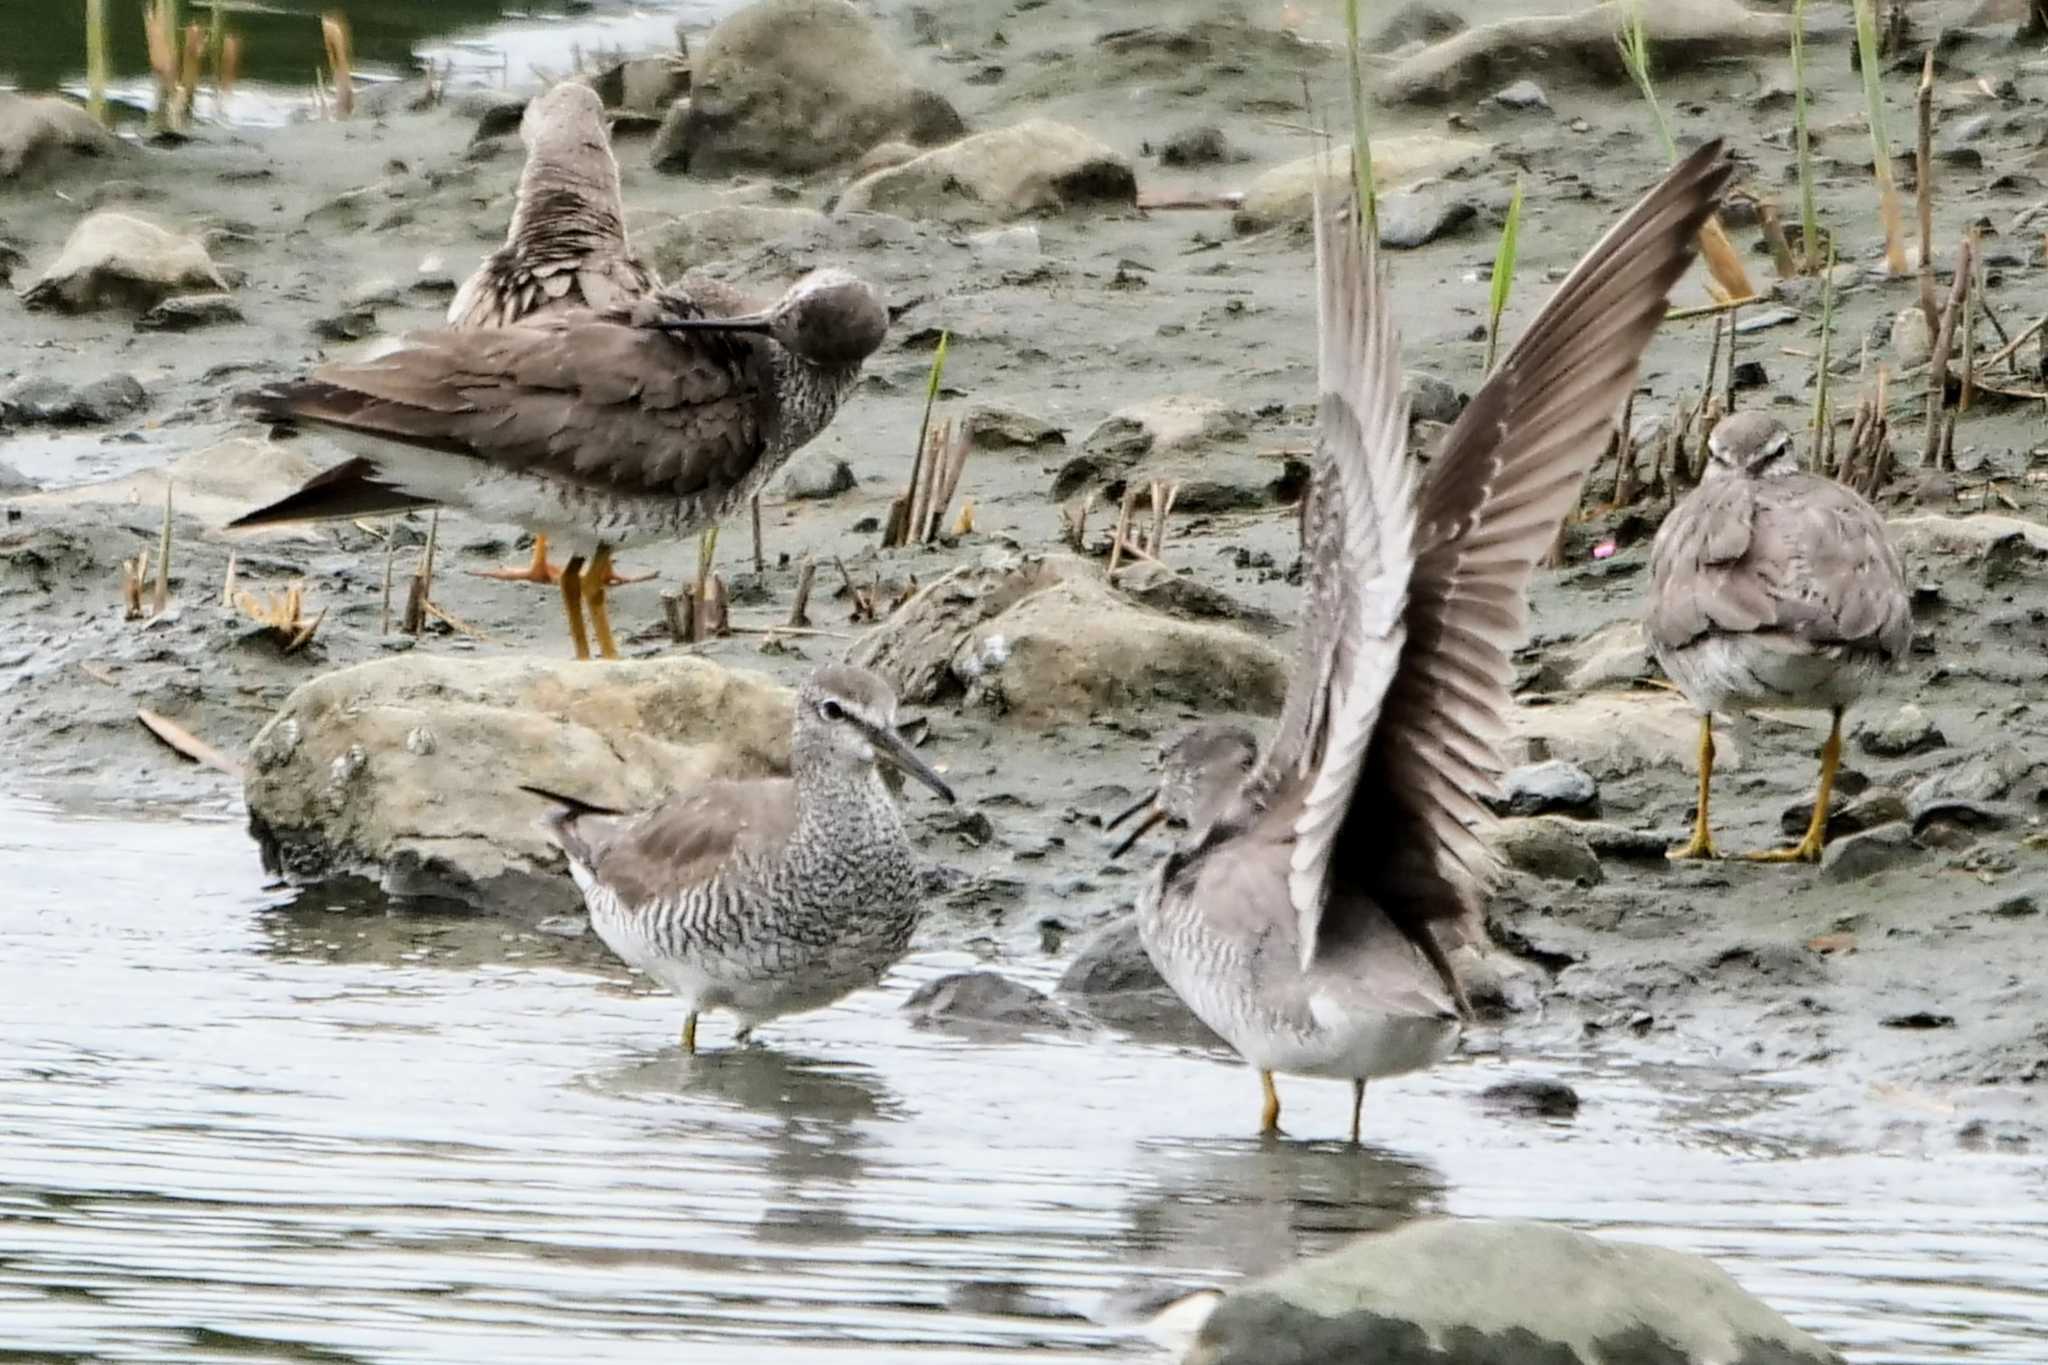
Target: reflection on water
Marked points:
235	1128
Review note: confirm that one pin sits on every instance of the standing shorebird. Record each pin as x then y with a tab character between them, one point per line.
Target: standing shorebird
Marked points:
770	896
650	419
1301	922
1772	587
566	247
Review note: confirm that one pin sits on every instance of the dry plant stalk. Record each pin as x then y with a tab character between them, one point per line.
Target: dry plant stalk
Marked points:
1123	527
800	609
1774	237
134	574
162	601
160	33
96	63
334	36
916	516
282	615
1866	465
1944	340
1880	144
1923	171
1163	495
227	584
422	589
760	563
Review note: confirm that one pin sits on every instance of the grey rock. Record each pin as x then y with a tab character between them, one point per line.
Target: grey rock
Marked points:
2017	907
1037	166
1470	1292
121	261
498	116
40	136
1112	962
1617	655
1550	787
1547	846
818	477
1415	218
334	790
1523	94
1989	775
1869	853
1186	595
187	312
1764	320
351	324
688	241
39	400
385	98
1202	146
1431	399
1532	1098
990	427
798	86
1906	731
984	998
1159	426
1619	841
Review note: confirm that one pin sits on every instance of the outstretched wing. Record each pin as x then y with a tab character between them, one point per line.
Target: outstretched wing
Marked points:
1489	508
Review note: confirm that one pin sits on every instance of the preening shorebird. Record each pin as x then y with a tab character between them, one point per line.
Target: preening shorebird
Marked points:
1772	587
1301	921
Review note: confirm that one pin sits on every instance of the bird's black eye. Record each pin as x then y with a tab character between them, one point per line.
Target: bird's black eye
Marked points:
831	710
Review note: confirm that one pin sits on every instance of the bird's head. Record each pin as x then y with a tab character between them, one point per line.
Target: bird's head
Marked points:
846	717
1199	769
829	318
1755	445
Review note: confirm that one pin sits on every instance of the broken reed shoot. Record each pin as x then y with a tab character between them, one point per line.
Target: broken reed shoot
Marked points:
1923	182
334	36
1503	273
1819	454
1361	148
1809	220
1881	147
160	32
1724	264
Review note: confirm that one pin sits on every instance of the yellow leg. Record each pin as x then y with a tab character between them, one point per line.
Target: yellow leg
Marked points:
1701	845
595	579
690	1033
1807	850
1357	1107
1269	1117
572	603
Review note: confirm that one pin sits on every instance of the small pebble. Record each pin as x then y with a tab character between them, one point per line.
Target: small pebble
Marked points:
1522	95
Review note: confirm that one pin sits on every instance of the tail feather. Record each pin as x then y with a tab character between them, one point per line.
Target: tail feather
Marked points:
350	489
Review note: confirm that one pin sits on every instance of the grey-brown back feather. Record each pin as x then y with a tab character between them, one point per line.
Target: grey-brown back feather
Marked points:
684	841
1796	555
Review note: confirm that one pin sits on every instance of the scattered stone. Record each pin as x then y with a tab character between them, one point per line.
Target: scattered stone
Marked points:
1522	95
1189	597
882	156
1018	242
43	135
1431	399
1033	167
2017	907
1466	1291
990	427
1285	193
1617	655
643	85
818	477
334	791
1112	962
351	324
1203	146
1044	641
1869	853
1905	732
1417	22
185	312
982	999
1750	374
1912	342
1552	787
1532	1099
797	86
383	99
1547	846
1919	1019
1989	775
1619	841
37	400
1170	423
496	115
119	260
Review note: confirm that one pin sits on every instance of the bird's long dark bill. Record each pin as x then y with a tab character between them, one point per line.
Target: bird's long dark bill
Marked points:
1153	819
897	750
739	322
1142	803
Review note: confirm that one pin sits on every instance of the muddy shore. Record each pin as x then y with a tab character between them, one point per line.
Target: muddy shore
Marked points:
1895	1002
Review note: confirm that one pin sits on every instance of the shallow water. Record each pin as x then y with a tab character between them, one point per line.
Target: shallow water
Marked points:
232	1129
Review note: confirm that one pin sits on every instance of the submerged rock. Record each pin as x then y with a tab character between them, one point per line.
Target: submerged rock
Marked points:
796	86
406	772
1547	846
40	135
1550	787
1869	853
1471	1292
121	261
1033	167
984	999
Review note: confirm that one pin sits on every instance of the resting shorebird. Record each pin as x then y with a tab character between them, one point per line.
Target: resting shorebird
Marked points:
1772	587
566	247
771	896
649	419
1300	923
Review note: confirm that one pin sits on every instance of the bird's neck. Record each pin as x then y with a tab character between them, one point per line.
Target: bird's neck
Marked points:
808	396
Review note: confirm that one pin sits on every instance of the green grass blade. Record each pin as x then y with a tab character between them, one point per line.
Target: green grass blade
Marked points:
1503	272
1361	147
1634	43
